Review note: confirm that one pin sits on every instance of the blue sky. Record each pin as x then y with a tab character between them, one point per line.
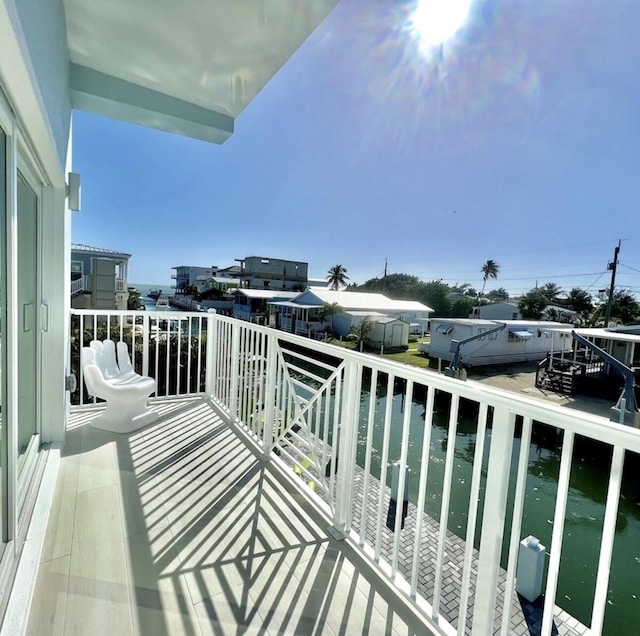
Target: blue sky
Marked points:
518	140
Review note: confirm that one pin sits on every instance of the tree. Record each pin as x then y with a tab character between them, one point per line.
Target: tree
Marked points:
329	310
489	270
533	304
337	277
362	331
551	291
134	302
625	307
580	301
498	294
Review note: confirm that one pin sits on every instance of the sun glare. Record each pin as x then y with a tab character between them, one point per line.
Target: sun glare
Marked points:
436	21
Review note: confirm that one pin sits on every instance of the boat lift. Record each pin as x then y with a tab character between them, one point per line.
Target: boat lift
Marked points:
455	370
626	409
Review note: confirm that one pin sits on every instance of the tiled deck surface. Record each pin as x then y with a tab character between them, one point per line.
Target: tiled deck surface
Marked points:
181	529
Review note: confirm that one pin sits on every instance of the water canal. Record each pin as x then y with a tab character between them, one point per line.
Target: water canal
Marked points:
585	506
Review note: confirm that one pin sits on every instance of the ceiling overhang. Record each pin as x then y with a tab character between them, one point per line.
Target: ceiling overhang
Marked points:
186	67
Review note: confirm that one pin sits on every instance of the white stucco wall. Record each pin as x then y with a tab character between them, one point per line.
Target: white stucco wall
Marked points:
39	30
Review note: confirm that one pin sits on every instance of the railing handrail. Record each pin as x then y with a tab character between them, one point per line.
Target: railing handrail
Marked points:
573	420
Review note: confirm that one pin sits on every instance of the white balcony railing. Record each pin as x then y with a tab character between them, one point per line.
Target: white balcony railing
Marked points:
121	285
340	418
79	285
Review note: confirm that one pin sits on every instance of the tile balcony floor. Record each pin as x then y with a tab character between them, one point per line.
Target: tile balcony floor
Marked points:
181	529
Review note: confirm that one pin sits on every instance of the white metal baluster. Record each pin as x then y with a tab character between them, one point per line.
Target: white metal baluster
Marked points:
189	354
145	344
446	500
384	461
608	536
422	488
179	356
516	523
269	412
404	449
364	512
497	485
235	360
476	479
558	530
325	441
347	445
168	358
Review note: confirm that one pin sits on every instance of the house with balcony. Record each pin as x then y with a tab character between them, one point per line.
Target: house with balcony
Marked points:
261	500
260	272
193	276
98	278
305	314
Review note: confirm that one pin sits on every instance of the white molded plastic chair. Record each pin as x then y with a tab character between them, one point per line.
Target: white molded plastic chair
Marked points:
125	391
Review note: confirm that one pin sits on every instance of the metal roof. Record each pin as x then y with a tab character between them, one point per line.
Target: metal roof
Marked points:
364	301
267	293
81	247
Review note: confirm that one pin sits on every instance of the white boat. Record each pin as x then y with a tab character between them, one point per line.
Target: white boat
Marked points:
162	302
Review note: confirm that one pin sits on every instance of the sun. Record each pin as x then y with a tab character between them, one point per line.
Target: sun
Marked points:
436	21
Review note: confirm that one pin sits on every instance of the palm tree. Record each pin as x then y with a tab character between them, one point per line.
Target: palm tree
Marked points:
362	331
329	311
489	270
337	277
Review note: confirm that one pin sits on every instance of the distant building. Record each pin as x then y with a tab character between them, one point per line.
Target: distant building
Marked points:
190	275
252	304
303	313
519	341
98	278
504	310
259	272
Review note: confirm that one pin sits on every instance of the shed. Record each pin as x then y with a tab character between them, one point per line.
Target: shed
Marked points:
392	333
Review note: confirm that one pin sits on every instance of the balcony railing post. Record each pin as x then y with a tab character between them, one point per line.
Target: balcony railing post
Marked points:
145	344
211	357
345	444
235	365
269	410
495	505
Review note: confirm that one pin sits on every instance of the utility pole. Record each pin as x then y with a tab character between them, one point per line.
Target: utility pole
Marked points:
384	278
612	266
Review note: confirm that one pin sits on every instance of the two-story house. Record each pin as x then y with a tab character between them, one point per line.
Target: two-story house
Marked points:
98	278
259	272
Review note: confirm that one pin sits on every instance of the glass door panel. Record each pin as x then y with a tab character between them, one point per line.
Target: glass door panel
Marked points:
3	374
27	327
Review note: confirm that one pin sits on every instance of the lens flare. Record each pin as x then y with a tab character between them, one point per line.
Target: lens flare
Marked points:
436	21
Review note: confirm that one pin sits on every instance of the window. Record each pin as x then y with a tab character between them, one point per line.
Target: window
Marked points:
515	335
481	331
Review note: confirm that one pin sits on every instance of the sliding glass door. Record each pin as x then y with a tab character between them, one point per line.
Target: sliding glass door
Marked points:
28	328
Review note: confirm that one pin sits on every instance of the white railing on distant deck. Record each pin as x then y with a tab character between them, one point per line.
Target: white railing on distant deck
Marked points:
121	285
79	285
333	415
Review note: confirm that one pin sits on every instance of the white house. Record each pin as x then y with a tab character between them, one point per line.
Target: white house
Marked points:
189	69
504	310
301	314
98	278
519	341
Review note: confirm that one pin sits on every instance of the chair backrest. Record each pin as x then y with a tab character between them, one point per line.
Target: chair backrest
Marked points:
110	366
124	361
98	350
89	358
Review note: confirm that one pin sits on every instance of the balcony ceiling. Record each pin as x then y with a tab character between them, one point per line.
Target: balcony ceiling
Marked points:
186	67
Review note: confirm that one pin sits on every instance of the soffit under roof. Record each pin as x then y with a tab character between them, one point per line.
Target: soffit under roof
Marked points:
189	67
